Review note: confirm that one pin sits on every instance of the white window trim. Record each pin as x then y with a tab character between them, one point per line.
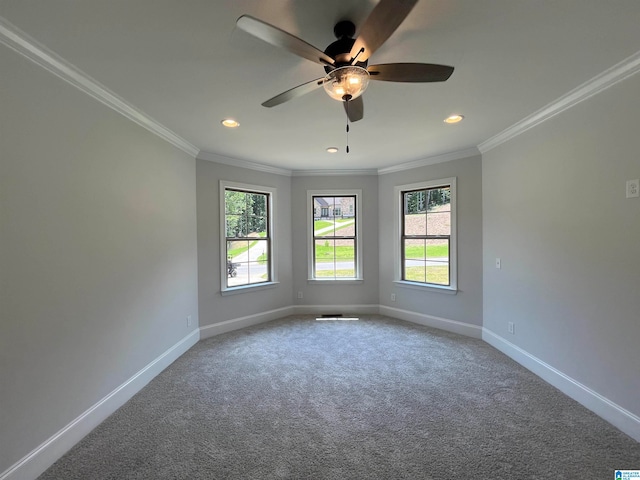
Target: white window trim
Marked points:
453	245
272	192
334	193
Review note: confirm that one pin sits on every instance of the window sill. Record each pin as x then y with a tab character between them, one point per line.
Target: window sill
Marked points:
248	288
335	281
427	288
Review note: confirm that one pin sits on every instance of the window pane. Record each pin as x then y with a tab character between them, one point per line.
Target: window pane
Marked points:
335	258
258	204
414	260
325	258
325	251
414	270
438	274
322	228
242	228
439	223
415	249
234	281
259	251
235	202
346	268
236	250
414	202
233	225
438	249
345	258
438	261
440	199
345	206
415	224
325	271
257	272
236	262
345	227
258	226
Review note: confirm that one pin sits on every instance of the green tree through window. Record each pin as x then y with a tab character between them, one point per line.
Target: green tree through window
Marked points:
247	237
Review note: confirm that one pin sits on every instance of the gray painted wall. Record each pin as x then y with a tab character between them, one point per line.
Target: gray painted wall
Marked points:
555	212
215	308
466	305
98	266
365	293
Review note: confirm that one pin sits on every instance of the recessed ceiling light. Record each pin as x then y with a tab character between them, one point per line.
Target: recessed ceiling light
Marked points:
454	119
332	149
230	123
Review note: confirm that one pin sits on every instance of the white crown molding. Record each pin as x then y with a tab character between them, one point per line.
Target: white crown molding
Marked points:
445	157
628	67
235	162
334	173
19	41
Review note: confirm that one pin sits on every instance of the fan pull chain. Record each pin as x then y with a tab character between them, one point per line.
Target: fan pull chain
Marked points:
347	124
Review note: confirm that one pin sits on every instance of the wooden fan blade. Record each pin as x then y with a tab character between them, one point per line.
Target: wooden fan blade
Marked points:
294	92
282	39
410	72
380	25
354	109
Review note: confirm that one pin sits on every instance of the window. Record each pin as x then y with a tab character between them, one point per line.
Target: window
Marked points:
426	250
246	249
335	244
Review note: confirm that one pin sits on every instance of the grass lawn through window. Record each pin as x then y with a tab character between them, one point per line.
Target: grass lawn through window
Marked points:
431	274
433	251
329	253
320	225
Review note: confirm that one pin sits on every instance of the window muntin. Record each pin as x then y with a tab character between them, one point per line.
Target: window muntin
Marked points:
427	243
334	248
247	243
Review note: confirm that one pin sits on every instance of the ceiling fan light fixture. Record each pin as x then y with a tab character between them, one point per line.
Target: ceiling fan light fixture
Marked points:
454	118
230	123
346	82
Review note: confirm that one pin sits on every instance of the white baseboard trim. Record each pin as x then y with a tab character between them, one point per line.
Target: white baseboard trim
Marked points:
36	462
597	403
242	322
337	309
453	326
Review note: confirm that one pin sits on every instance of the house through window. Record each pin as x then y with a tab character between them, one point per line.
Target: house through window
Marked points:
335	244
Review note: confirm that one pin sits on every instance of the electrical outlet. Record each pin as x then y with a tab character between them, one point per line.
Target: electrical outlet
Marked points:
393	297
498	263
299	294
633	188
188	320
512	328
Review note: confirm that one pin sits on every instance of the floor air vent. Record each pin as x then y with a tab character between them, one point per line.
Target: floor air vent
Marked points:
335	316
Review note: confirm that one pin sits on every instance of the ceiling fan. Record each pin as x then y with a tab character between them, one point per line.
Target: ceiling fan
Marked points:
346	60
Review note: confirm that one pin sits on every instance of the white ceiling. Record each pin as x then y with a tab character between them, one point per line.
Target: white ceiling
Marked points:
184	64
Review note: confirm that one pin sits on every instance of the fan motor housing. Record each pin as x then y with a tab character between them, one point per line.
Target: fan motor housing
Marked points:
340	50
